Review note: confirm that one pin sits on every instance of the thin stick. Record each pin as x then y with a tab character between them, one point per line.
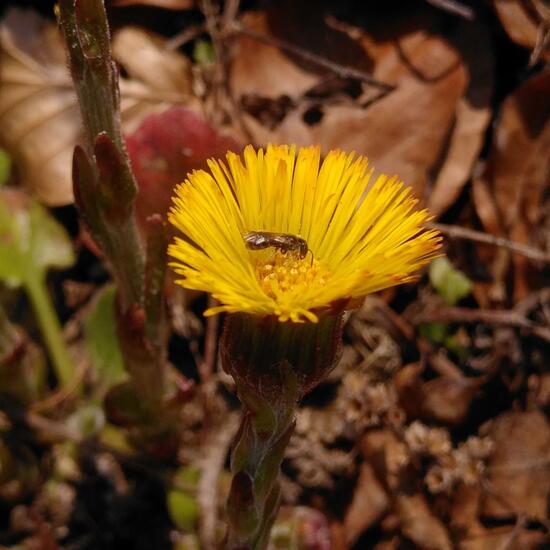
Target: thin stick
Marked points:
185	36
454	7
219	30
210	344
230	11
214	455
341	70
500	317
458	232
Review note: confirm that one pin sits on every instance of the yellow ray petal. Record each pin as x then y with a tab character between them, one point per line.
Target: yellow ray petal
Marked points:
361	237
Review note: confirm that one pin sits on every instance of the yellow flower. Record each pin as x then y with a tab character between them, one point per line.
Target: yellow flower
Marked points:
361	236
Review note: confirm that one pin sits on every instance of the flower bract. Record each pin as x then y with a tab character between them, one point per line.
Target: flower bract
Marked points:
242	223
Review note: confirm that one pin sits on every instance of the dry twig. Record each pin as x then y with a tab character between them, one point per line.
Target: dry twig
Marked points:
214	455
187	35
454	7
458	232
219	29
342	71
210	344
489	316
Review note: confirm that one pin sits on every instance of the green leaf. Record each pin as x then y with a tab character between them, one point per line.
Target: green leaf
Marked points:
450	283
31	242
187	478
5	166
454	345
203	52
183	509
11	255
436	333
101	339
50	246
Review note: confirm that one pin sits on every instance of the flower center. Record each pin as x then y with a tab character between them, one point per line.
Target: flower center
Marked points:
281	273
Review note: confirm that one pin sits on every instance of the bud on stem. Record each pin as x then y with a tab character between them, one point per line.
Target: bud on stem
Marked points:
273	364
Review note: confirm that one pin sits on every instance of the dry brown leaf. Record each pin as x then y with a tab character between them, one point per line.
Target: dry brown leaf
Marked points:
473	535
526	22
444	399
153	69
465	511
386	454
408	384
38	113
519	161
447	399
517	21
403	133
473	113
392	544
369	502
519	468
419	524
508	195
39	118
506	538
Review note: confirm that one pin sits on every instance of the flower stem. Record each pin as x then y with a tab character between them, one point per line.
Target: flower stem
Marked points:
273	364
50	329
254	497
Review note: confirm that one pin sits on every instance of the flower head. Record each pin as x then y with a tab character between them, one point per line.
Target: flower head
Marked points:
285	234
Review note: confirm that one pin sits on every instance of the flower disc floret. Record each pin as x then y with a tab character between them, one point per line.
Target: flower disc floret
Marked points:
362	235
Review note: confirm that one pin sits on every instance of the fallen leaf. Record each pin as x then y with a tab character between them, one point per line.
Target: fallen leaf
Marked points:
466	502
39	118
508	195
387	455
447	399
408	384
444	399
157	76
369	503
507	538
519	468
392	544
517	167
338	536
404	132
38	112
524	24
419	524
263	80
472	116
473	535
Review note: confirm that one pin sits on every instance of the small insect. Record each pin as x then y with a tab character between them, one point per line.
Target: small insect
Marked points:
285	242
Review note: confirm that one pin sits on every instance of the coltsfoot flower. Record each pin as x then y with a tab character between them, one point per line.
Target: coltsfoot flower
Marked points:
325	233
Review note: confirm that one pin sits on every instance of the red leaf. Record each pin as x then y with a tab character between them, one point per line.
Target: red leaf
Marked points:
164	149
